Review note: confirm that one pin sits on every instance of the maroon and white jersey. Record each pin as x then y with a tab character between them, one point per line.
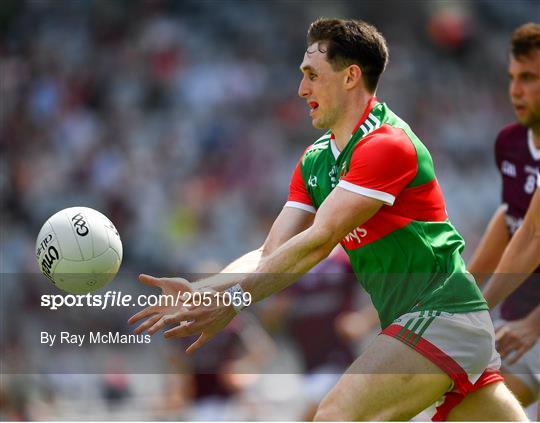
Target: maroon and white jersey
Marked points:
518	160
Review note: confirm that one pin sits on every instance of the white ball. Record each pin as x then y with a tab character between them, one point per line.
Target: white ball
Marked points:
79	250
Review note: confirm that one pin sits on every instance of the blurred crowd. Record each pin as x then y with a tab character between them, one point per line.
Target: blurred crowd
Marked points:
180	121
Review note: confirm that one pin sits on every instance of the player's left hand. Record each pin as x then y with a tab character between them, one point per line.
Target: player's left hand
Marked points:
515	338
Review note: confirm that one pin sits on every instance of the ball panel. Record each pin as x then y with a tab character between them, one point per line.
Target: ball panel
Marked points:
114	239
69	247
78	277
81	227
98	230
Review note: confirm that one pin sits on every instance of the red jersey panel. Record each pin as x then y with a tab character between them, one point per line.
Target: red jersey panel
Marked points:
373	165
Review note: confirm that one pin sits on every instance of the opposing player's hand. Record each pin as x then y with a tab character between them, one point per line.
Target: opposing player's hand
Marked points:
515	338
156	316
351	326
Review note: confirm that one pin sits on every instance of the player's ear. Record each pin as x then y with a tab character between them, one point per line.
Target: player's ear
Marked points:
353	76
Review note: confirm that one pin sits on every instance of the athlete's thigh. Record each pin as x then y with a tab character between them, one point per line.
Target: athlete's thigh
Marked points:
520	389
390	381
493	402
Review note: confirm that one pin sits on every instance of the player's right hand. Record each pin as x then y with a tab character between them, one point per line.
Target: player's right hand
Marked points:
156	316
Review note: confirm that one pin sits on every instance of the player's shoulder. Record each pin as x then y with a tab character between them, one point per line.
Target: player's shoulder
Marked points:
510	134
387	137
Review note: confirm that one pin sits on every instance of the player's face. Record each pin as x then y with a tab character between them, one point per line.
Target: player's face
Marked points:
321	87
525	88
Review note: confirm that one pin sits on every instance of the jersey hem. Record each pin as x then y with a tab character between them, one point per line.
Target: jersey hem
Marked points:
456	310
301	206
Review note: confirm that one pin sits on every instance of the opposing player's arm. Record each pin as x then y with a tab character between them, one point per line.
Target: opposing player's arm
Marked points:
491	247
520	258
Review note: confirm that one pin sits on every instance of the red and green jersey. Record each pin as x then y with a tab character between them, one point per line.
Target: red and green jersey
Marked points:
408	255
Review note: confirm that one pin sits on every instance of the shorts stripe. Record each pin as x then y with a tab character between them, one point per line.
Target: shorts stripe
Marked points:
402	331
410	336
421	331
419	325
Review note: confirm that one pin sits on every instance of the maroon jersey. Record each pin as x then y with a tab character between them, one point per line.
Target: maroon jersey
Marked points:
518	160
208	364
320	296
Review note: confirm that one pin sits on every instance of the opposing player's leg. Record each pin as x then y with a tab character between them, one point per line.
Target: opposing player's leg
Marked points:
390	381
493	402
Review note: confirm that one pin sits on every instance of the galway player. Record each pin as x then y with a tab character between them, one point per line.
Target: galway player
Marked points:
369	183
517	151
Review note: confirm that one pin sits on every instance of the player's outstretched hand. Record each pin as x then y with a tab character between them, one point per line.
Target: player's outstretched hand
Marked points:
207	318
516	338
169	305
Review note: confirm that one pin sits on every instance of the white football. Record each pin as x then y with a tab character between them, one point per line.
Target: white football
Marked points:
79	250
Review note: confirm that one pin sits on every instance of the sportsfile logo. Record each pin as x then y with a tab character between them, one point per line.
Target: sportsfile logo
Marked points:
109	299
119	299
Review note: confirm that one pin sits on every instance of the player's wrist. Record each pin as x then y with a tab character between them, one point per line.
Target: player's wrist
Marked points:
237	297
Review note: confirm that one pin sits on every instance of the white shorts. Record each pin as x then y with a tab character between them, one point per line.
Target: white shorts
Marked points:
527	368
461	344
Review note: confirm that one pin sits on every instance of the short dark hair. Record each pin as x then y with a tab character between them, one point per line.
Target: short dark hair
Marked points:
525	39
352	42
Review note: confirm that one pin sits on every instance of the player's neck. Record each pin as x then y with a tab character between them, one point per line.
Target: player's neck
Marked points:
343	129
